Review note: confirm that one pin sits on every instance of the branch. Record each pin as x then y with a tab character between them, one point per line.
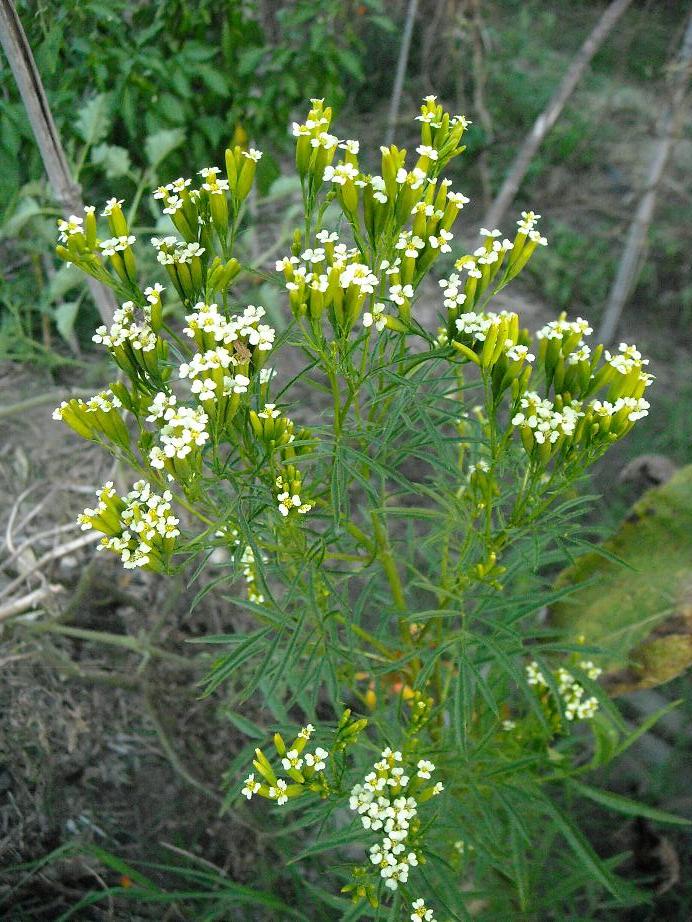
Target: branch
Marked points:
547	119
631	261
28	79
400	71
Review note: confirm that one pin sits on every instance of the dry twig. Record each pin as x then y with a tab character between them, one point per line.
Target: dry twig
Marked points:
635	245
547	119
402	63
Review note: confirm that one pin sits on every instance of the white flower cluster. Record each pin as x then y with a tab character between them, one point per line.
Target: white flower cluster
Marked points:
627	359
288	501
430	117
125	329
295	759
325	274
384	804
636	407
140	527
562	328
247	562
207	326
526	225
453	292
576	705
172	188
67	228
341	173
104	402
420	912
116	244
171	251
546	424
212	184
477	326
299	764
185	428
212	332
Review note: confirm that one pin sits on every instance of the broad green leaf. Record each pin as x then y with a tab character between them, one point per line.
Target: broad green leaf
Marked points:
65	317
159	145
94	119
640	613
113	160
27	209
66	278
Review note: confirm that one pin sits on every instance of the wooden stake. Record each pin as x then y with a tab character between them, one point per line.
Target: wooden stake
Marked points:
402	63
547	119
632	256
28	79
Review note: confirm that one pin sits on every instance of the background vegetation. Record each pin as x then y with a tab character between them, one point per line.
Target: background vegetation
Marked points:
142	92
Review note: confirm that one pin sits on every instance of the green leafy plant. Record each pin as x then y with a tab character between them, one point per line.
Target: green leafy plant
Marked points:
126	84
392	533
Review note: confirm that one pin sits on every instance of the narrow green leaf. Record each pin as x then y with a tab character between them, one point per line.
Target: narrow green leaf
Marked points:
624	805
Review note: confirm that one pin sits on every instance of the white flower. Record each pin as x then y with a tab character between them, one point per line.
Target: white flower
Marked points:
278	792
153	294
325	140
377	317
73	225
292	760
110	205
425	769
266	374
441	242
238	384
351	146
173	204
341	173
420	912
251	786
253	154
317	761
456	198
426	151
287	502
518	353
269	412
287	262
313	256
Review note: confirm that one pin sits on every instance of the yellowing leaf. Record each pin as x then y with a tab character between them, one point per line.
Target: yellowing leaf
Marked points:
641	614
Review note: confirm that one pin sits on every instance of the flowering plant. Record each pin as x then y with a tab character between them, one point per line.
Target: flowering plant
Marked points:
393	537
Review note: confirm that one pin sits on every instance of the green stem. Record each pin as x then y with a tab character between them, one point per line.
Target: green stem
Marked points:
133	644
386	558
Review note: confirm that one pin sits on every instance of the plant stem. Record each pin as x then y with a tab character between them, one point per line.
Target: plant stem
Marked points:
387	560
